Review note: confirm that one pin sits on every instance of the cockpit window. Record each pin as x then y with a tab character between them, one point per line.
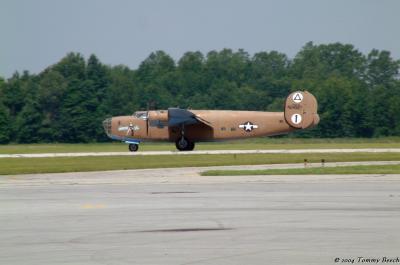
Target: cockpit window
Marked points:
107	126
141	115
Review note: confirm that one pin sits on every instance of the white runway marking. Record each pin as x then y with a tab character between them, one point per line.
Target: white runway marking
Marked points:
206	152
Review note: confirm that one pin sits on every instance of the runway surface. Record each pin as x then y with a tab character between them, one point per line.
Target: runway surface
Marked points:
205	152
175	216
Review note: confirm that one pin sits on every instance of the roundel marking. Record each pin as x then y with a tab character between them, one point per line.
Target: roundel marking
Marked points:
248	126
297	97
296	118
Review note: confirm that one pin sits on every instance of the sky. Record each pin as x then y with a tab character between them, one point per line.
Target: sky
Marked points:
37	34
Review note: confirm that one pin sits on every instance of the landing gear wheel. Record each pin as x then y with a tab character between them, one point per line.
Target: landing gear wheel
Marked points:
133	147
183	144
190	147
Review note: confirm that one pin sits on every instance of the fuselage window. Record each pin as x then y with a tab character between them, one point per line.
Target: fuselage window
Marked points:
141	115
156	123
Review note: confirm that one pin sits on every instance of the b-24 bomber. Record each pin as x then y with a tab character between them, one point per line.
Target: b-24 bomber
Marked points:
185	127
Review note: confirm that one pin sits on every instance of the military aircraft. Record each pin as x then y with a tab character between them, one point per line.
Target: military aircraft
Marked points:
185	127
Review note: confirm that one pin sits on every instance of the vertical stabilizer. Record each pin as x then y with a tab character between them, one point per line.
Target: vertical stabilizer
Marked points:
301	110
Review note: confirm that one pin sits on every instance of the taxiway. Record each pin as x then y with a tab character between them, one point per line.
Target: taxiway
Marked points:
174	216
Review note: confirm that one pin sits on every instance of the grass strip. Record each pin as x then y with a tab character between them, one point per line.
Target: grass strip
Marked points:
372	169
249	144
9	166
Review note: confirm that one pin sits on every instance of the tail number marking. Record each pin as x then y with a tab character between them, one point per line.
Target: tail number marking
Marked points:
296	118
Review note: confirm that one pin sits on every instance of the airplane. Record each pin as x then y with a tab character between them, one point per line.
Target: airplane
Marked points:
186	127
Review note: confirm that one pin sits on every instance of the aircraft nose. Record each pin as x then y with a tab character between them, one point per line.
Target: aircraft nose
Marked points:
107	126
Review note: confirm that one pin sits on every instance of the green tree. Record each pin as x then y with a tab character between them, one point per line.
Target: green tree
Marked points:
99	76
154	67
269	73
190	82
321	61
122	95
71	67
358	94
51	92
156	79
5	127
14	96
382	81
77	113
28	123
228	65
381	69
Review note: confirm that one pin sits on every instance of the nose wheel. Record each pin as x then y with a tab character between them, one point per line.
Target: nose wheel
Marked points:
183	144
133	147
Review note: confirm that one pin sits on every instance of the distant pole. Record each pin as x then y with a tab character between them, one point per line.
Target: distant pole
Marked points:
151	105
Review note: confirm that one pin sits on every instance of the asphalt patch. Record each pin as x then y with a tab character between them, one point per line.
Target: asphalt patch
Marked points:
183	230
172	192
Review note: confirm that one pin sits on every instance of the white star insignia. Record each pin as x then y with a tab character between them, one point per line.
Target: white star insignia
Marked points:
248	126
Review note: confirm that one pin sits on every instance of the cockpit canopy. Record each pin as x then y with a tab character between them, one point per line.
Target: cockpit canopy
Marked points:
141	115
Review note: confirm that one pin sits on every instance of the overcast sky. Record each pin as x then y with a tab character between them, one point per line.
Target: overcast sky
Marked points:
36	34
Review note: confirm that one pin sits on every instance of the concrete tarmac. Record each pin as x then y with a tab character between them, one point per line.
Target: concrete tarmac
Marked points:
175	216
207	152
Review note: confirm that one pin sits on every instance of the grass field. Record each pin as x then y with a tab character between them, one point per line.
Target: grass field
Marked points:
373	169
250	144
74	164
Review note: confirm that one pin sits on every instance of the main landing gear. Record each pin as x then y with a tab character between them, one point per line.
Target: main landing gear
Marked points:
183	144
133	147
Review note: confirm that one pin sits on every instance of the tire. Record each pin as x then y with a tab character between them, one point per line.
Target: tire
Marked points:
190	147
133	147
182	144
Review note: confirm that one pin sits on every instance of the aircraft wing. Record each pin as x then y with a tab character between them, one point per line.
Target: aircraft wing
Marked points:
178	117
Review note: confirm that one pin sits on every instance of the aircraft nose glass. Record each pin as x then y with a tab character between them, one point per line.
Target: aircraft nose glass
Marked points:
107	126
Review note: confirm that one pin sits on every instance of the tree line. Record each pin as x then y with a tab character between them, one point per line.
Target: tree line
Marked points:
358	94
